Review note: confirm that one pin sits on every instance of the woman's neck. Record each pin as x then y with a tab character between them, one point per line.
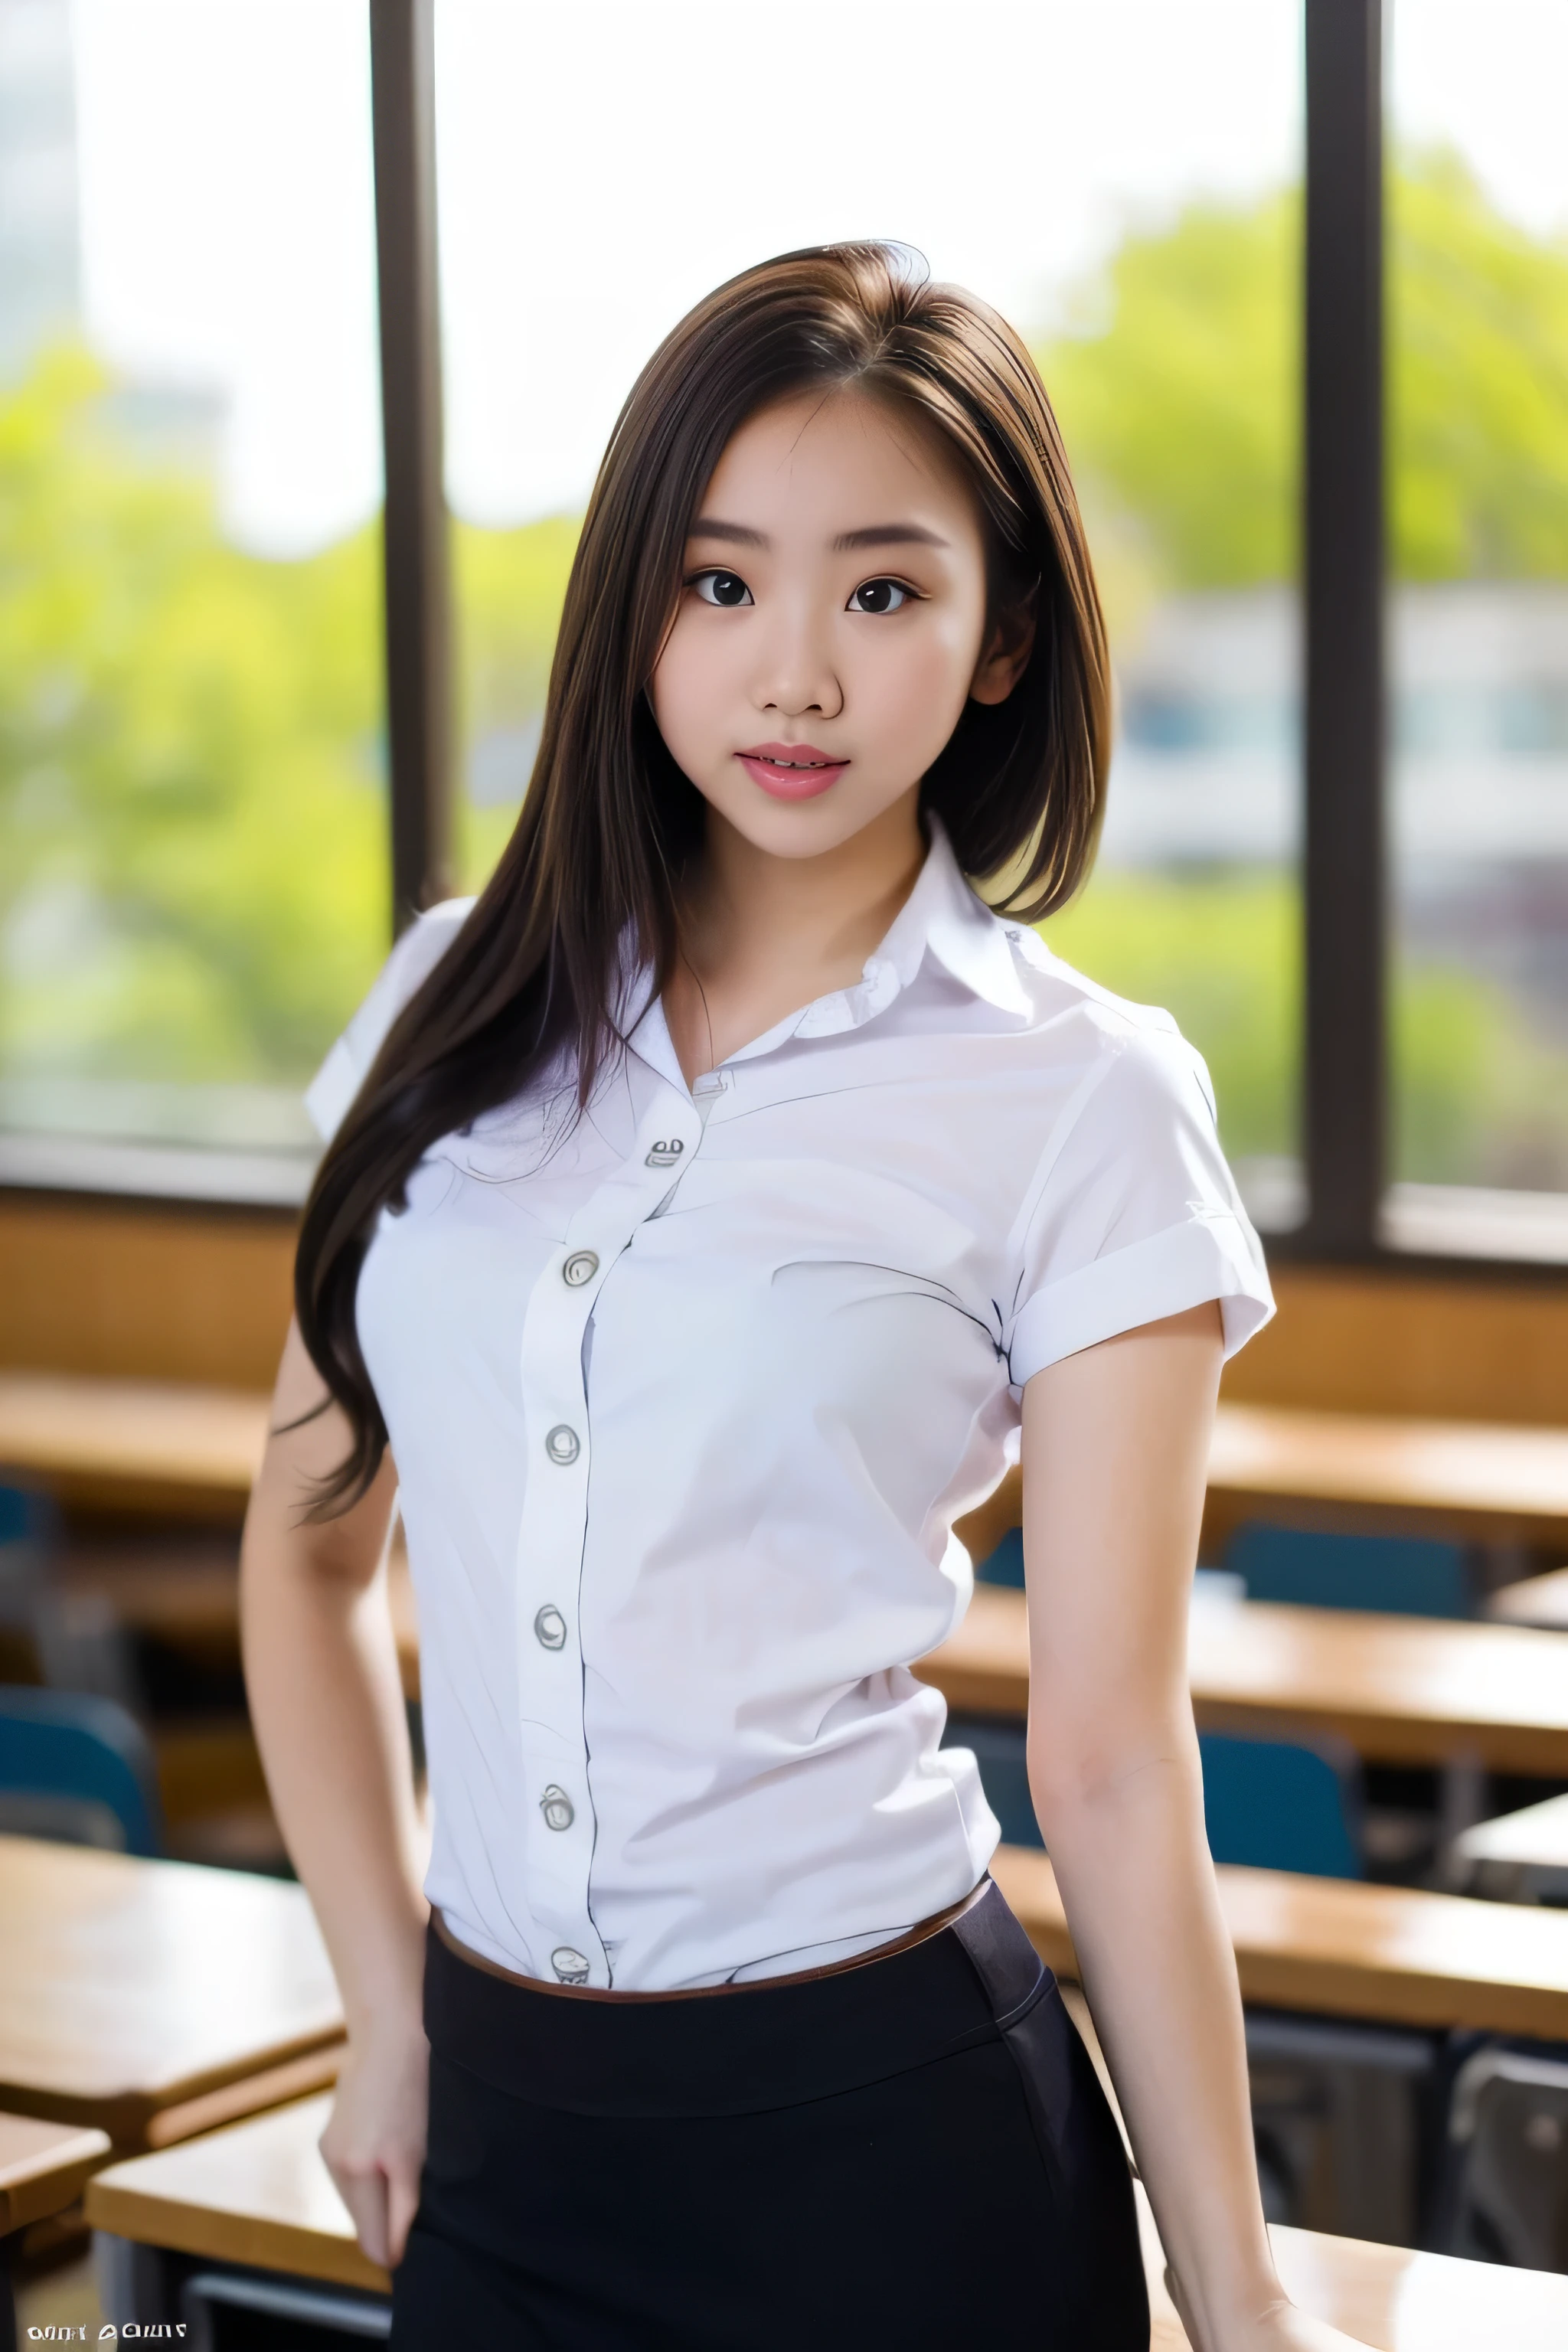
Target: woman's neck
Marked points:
762	936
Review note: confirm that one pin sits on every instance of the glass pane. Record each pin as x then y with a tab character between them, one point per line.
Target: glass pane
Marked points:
1478	273
1121	181
193	885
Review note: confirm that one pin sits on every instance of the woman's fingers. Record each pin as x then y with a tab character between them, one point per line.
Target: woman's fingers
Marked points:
374	2145
381	2205
402	2185
364	2189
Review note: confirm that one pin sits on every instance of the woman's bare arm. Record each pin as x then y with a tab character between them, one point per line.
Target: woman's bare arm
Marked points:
321	1666
1115	1452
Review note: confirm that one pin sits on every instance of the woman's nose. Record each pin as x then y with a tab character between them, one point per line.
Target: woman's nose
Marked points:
797	674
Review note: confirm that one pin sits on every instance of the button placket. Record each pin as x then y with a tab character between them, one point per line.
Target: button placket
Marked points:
557	1816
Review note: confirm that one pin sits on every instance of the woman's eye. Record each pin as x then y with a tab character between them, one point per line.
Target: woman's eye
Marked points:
725	588
878	597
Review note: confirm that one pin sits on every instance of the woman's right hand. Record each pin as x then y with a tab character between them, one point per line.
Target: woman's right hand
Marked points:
374	2145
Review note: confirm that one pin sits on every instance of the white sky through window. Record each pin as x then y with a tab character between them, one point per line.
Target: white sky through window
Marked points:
603	163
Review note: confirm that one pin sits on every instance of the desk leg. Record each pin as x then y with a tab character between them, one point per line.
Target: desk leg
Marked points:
133	2281
1462	1804
7	2296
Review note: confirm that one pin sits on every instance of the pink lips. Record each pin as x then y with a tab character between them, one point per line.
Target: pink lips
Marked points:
791	771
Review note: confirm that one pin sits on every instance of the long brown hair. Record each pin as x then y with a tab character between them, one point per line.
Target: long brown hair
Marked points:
609	820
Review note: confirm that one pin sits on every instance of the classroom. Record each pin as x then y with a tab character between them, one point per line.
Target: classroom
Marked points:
1218	350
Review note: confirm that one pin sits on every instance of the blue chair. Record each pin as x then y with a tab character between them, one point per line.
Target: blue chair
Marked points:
1403	1576
1279	1806
998	1748
27	1517
1005	1565
1265	1802
77	1769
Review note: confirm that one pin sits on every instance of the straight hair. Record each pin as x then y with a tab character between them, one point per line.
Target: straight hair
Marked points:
609	823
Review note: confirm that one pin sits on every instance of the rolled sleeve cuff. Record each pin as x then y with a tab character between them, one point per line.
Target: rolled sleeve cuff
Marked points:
1207	1258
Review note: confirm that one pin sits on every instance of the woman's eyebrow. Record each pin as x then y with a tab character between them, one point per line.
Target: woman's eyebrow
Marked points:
876	534
888	534
735	534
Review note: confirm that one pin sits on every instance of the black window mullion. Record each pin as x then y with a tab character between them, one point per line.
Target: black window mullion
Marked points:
416	570
1346	1076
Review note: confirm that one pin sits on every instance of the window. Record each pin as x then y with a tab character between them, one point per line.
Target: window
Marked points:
1181	202
1478	508
193	884
1126	190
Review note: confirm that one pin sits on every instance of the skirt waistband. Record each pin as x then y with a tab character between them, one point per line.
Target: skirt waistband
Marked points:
774	2043
915	1935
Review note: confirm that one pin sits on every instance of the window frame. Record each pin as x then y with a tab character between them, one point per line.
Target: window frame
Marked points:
1345	864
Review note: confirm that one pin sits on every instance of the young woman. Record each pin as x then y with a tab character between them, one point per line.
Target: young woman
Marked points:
711	1208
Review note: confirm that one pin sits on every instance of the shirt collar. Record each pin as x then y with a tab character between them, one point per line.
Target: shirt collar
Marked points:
941	917
944	918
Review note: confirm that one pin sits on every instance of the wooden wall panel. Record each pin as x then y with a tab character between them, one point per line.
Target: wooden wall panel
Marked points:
1462	1347
161	1293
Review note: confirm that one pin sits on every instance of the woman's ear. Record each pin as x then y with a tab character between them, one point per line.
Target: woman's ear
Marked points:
1004	656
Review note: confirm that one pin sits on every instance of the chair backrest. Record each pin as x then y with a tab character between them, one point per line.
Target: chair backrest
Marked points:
79	1768
26	1516
27	1532
1508	2130
1005	1565
1280	1806
1403	1576
1266	1801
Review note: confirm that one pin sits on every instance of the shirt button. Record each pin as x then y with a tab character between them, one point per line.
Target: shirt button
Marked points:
579	1268
569	1966
557	1808
550	1628
562	1446
664	1155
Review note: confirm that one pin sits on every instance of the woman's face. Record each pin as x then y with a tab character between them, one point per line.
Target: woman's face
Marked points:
831	623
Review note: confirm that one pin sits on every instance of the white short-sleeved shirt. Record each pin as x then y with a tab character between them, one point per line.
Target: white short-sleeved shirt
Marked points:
685	1396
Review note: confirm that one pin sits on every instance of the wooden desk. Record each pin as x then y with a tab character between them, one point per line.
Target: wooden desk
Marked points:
1338	1947
1410	1690
154	1999
44	2168
143	1445
1517	1858
1489	1484
259	2194
1540	1600
1494	1483
1387	2296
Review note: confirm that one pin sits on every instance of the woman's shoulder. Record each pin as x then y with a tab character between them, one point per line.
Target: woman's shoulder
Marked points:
420	948
413	957
1083	1022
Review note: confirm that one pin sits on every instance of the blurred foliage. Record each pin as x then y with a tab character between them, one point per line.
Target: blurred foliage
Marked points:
193	880
193	852
1221	951
1181	413
1179	397
509	586
191	827
1477	1100
1479	386
1177	387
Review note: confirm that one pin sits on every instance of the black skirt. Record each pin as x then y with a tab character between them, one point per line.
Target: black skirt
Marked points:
912	2153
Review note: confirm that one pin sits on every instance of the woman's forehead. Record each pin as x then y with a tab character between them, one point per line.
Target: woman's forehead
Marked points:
822	456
